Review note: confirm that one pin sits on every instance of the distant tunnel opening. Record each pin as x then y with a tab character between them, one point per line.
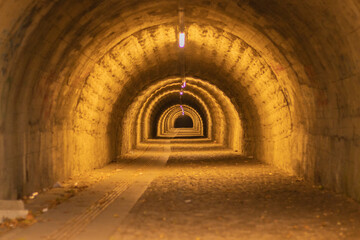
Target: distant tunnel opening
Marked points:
183	121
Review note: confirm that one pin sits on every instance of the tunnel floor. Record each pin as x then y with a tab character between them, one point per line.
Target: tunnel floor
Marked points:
191	196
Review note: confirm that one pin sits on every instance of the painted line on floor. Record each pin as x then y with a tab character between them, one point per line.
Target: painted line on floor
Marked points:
78	223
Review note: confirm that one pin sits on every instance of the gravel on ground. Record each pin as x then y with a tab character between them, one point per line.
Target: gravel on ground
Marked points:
237	198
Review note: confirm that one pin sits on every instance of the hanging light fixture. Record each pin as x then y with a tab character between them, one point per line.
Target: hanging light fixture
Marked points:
181	27
182	45
182	40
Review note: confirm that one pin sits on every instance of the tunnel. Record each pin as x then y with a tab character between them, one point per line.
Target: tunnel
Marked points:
87	84
183	122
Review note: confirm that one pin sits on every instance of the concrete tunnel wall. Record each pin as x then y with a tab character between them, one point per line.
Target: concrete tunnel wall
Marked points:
69	70
224	125
168	120
143	115
184	121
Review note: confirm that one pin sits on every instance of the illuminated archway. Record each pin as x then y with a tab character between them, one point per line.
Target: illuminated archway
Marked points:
183	121
73	85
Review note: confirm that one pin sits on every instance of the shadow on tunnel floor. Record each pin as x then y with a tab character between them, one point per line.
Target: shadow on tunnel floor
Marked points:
208	159
234	197
182	137
184	158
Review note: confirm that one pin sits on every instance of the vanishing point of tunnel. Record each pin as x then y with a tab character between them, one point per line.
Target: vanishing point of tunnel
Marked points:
179	119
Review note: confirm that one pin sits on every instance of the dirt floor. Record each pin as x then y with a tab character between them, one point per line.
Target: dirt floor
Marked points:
193	197
229	198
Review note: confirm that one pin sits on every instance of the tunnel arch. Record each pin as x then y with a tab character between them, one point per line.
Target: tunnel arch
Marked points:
67	67
183	121
167	120
227	119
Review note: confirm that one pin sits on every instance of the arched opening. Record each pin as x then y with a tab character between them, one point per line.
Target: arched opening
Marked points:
84	84
183	121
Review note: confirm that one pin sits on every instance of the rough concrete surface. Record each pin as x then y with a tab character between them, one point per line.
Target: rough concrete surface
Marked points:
10	209
84	82
214	195
237	198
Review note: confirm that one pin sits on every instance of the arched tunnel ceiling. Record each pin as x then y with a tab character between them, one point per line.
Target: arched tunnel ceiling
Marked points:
220	118
173	99
174	118
70	70
183	121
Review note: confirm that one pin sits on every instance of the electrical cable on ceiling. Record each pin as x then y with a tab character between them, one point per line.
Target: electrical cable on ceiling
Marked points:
182	51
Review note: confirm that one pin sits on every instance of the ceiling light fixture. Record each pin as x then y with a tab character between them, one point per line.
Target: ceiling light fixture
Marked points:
182	40
182	51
